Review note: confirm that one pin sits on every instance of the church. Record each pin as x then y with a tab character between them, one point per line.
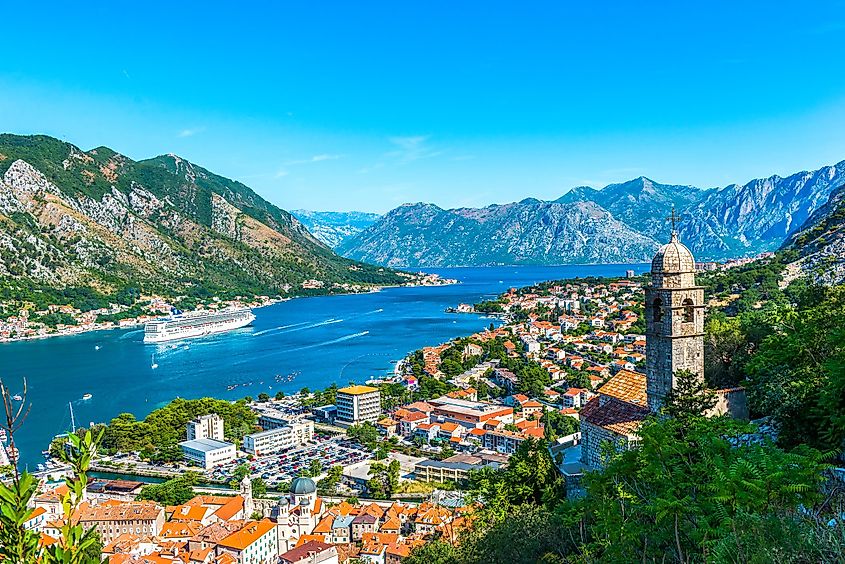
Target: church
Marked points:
674	312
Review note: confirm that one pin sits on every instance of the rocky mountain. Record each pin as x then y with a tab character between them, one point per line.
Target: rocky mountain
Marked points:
820	242
641	203
527	232
99	220
333	228
619	222
757	216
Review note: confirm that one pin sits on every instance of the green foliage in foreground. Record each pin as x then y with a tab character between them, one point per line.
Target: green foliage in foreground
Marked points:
695	491
76	545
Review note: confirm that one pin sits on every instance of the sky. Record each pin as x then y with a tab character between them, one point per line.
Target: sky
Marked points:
368	105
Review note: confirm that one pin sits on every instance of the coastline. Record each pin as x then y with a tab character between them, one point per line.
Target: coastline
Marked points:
134	323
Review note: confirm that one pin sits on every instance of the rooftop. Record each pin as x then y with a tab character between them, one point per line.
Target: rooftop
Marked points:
357	390
205	445
627	386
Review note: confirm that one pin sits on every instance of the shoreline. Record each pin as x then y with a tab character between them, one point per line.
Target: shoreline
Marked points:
134	325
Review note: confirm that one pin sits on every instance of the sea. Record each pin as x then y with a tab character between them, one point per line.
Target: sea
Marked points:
304	342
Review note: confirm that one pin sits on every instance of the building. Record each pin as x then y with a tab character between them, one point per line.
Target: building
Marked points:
312	552
207	453
99	491
294	434
206	427
256	543
674	312
456	468
357	404
298	513
674	308
469	414
112	520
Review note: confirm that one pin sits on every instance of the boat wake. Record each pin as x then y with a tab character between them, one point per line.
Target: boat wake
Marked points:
279	328
297	327
331	342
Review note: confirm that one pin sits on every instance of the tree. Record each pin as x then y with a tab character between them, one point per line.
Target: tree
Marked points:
280	395
241	471
263	397
688	486
433	552
384	479
259	487
689	398
174	491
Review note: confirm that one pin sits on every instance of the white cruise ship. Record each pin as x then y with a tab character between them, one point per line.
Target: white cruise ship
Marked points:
197	324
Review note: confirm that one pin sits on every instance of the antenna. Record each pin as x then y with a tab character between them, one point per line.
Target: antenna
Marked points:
72	421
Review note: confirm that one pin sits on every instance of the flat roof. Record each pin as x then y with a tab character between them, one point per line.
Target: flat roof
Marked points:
357	390
205	445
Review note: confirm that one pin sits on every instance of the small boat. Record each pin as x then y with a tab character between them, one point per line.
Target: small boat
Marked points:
17	397
87	396
153	363
96	347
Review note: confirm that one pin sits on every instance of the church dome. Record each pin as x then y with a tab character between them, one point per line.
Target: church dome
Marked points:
304	502
673	258
303	486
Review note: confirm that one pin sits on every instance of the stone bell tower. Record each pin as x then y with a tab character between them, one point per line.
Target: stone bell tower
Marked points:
674	312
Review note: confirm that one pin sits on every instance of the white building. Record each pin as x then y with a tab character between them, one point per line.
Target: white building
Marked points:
206	427
357	404
208	452
293	434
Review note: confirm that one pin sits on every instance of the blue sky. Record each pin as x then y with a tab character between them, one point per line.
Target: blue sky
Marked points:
366	105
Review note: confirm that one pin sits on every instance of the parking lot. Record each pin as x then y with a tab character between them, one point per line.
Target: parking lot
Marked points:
276	469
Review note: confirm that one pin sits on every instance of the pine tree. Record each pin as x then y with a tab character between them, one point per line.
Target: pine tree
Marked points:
689	398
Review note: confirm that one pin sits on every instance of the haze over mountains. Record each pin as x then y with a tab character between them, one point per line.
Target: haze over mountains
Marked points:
99	220
620	223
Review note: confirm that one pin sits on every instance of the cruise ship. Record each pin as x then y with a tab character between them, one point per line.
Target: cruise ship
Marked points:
197	324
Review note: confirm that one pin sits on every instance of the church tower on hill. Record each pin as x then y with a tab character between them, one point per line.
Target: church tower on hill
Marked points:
674	312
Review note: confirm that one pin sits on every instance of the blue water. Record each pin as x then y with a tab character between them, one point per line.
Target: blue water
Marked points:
325	339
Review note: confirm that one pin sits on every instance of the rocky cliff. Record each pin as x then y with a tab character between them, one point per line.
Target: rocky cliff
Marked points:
527	232
333	228
97	219
820	242
619	223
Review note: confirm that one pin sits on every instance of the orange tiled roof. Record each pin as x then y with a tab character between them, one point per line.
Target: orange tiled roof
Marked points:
618	416
232	508
627	386
250	533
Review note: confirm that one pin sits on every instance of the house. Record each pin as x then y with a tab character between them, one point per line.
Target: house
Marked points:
313	552
572	397
387	427
408	425
532	408
427	431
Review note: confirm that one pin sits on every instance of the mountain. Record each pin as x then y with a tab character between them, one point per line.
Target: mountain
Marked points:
820	242
99	220
527	232
619	221
640	203
332	228
743	220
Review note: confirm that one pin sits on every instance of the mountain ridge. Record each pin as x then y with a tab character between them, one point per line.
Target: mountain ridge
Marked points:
100	220
716	223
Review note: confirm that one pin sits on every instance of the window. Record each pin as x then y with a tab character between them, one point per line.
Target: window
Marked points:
657	310
689	311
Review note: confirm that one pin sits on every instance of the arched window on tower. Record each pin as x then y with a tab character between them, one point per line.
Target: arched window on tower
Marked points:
657	310
689	311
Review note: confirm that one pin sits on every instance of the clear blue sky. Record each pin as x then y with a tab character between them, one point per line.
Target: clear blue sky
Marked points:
366	105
